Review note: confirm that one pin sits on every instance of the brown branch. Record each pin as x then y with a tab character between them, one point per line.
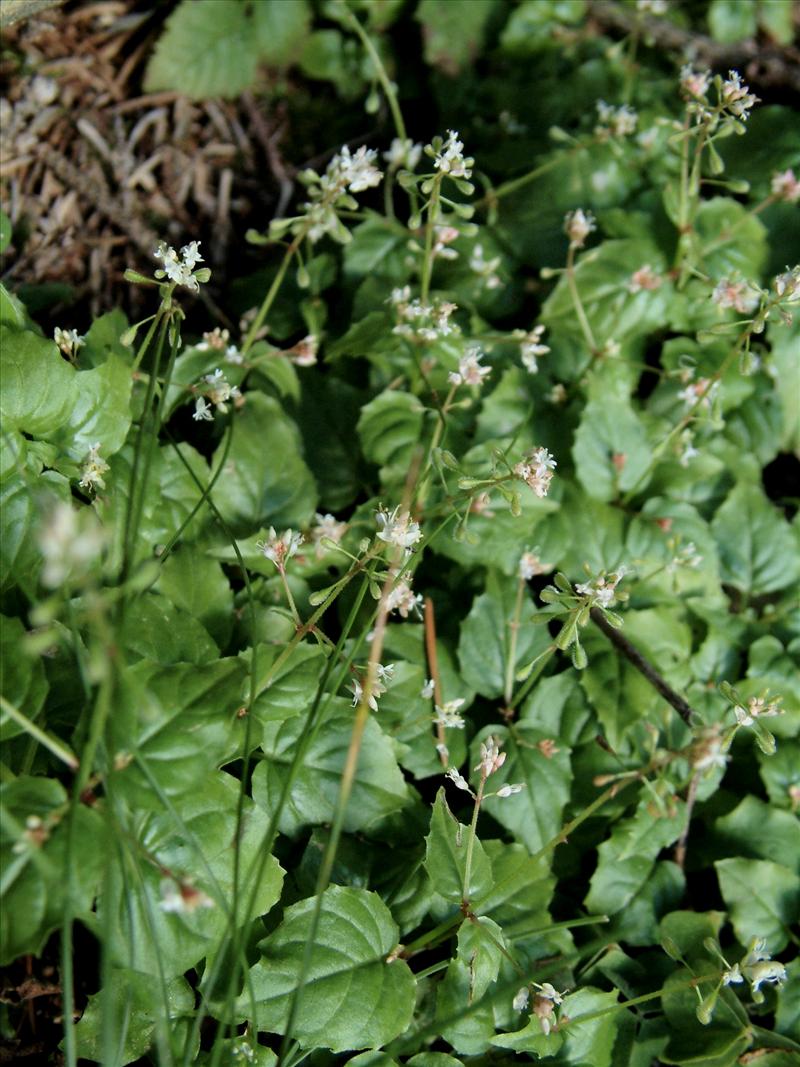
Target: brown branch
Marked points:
763	63
618	639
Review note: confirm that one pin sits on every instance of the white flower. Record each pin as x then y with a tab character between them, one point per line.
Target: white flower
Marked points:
644	279
757	708
530	565
578	225
785	186
397	528
492	759
486	268
358	693
326	528
450	158
280	548
403	153
216	339
358	171
304	353
758	967
218	390
458	781
94	467
470	370
536	470
202	410
520	1001
736	96
404	601
695	83
510	790
447	715
531	347
615	121
180	270
68	341
732	976
427	690
787	285
703	389
602	590
549	992
182	898
734	294
443	237
384	672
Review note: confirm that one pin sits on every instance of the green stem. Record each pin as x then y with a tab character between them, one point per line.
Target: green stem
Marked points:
563	835
388	88
583	321
58	749
272	292
514	625
473	830
430	222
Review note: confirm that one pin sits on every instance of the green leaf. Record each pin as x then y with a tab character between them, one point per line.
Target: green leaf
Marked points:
290	689
611	452
24	507
24	680
35	875
780	774
101	411
755	829
138	1009
533	816
280	30
5	231
179	723
691	1044
763	899
389	429
521	890
627	858
352	998
447	845
38	385
758	552
785	340
453	31
618	693
266	482
787	1016
484	646
732	20
155	629
776	19
378	788
102	340
197	585
370	251
688	930
480	949
191	843
730	239
207	49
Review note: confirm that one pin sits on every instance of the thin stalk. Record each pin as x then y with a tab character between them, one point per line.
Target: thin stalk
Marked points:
473	831
433	667
52	744
562	836
272	292
583	321
513	185
430	222
513	625
388	87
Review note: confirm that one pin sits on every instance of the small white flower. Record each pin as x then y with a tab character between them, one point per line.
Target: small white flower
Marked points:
578	225
470	369
202	410
397	528
736	96
326	529
703	389
732	976
94	467
520	1001
304	353
403	153
785	186
602	590
530	565
492	759
180	270
549	992
358	693
695	83
615	121
450	159
216	339
447	715
427	690
458	781
536	470
531	347
384	672
404	601
485	268
68	341
510	789
357	171
644	279
757	708
280	548
734	294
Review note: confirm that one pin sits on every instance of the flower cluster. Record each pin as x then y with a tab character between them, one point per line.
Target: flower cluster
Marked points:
422	322
756	967
346	173
757	708
614	121
326	532
530	565
531	347
383	674
694	84
216	388
280	547
545	1000
578	224
68	341
181	270
486	269
602	590
94	467
735	96
730	293
218	340
536	470
447	715
470	369
449	158
785	186
397	528
404	600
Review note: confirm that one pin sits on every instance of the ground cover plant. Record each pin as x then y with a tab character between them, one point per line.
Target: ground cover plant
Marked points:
400	636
